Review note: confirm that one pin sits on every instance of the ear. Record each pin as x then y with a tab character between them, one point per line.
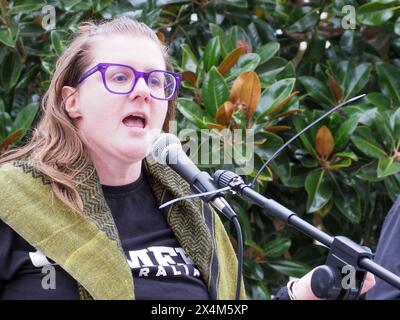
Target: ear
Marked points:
70	98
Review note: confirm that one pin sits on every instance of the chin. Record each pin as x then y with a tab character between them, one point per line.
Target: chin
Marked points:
137	152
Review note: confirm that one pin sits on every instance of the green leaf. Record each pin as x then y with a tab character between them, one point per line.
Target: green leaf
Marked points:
68	5
273	96
189	60
255	271
383	131
25	117
32	5
369	172
6	38
2	106
318	190
375	14
379	101
247	62
276	247
343	134
10	71
214	91
57	42
364	140
347	154
289	267
271	143
234	3
397	26
389	80
267	51
48	66
5	125
392	185
395	124
211	53
300	124
387	166
347	201
356	79
305	22
100	5
260	292
317	90
192	111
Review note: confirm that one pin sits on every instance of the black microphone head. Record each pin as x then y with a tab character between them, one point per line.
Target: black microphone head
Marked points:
163	145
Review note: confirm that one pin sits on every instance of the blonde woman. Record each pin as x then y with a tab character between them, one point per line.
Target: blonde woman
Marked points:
79	215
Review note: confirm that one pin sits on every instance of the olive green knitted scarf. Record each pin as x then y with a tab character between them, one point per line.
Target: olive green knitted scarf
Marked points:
89	248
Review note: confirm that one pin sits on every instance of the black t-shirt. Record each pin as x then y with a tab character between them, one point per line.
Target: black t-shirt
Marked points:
160	267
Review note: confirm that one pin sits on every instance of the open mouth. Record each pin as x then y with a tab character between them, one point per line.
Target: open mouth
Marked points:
135	121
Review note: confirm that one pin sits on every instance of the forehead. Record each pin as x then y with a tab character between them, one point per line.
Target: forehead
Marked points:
139	52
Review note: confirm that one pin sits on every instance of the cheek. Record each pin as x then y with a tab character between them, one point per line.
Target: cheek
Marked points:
159	113
98	108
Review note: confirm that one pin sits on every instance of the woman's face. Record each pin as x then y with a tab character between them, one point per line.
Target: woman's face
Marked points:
101	116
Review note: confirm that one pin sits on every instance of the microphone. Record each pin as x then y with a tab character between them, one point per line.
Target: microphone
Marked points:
167	150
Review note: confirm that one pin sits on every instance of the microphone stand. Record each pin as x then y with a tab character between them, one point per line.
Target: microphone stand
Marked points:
327	281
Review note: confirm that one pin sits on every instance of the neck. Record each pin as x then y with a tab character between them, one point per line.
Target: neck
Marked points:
116	173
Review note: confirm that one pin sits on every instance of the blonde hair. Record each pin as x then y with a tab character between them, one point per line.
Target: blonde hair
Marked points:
55	148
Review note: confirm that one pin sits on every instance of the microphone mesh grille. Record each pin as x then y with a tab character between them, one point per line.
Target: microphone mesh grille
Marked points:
161	143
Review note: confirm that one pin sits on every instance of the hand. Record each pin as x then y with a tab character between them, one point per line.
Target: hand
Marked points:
302	288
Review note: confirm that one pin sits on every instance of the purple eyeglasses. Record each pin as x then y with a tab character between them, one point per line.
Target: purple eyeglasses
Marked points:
122	79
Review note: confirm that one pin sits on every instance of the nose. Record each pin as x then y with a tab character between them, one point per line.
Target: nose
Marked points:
140	91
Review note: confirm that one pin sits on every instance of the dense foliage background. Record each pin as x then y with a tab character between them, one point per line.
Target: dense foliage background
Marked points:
271	66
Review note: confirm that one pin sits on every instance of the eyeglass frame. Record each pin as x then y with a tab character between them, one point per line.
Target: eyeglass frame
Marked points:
102	68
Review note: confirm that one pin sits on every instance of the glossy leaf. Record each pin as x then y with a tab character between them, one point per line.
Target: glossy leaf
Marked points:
290	268
214	91
356	79
347	201
343	134
277	247
389	80
211	53
318	190
305	22
375	14
25	117
192	111
273	96
189	60
387	166
267	51
27	7
397	26
6	38
10	71
364	140
57	41
317	90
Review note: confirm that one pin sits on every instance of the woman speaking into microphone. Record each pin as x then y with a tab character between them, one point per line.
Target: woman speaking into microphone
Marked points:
79	215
